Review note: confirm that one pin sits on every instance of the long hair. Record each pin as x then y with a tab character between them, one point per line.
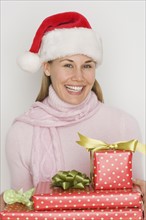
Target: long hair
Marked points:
46	82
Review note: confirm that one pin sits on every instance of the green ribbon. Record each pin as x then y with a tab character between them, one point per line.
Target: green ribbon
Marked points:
11	196
70	179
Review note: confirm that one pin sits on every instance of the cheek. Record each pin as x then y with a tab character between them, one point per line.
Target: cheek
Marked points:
60	77
55	77
90	77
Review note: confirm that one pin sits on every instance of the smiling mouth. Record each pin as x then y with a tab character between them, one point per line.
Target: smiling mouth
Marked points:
75	89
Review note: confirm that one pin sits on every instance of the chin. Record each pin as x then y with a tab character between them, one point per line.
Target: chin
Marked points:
74	98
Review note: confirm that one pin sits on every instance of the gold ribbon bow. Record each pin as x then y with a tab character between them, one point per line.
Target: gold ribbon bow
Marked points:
70	179
96	145
11	196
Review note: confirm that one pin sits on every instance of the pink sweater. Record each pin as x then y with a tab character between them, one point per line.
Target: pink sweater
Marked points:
33	153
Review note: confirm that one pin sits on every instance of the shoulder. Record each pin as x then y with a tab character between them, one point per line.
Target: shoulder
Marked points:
19	127
19	134
116	113
124	121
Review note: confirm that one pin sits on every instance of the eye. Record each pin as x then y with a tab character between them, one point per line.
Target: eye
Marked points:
68	65
87	66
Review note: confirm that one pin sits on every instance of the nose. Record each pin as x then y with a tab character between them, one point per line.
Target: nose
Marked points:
77	74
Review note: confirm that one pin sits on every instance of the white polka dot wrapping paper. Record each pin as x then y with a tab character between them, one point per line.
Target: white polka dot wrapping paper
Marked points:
50	198
17	211
111	163
111	169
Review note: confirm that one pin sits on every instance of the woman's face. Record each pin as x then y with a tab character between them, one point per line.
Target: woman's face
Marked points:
72	77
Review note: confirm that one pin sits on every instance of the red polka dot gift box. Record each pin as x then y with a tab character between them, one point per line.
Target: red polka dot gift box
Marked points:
112	169
18	211
111	164
50	198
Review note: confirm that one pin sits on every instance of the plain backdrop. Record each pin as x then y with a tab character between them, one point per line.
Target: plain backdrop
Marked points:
121	25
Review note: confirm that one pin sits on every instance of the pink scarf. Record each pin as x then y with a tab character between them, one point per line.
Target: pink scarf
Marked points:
46	116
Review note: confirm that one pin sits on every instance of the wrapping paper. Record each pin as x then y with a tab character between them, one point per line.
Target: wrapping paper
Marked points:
18	211
49	198
111	169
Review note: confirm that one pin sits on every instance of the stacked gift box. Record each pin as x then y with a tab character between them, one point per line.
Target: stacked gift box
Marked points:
110	196
18	211
54	198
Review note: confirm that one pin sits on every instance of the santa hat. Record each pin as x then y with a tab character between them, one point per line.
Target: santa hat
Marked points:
59	35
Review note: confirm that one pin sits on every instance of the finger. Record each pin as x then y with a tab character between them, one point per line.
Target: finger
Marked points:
2	203
141	183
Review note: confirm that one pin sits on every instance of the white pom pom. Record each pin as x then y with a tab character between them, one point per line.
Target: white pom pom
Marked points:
29	62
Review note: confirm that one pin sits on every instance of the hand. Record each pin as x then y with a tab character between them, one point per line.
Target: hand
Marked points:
2	203
142	185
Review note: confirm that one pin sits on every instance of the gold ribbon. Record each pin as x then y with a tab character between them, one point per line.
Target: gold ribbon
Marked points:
11	196
93	145
70	179
96	145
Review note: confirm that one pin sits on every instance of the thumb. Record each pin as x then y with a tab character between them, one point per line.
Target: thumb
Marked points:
140	183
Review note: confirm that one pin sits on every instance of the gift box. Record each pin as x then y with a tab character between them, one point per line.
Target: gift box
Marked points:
18	211
50	198
111	164
112	169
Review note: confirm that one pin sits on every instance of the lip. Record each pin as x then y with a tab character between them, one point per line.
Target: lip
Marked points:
74	89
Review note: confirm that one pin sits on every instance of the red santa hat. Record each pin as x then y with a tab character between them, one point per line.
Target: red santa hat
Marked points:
59	35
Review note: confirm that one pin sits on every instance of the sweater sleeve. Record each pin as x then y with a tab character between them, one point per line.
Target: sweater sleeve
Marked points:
130	128
18	152
131	131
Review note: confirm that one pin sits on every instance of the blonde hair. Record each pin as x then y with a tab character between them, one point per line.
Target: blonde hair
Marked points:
46	82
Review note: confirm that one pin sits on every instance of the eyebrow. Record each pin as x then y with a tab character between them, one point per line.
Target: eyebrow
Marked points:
88	61
66	60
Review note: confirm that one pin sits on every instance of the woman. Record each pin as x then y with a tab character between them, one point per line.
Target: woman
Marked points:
43	140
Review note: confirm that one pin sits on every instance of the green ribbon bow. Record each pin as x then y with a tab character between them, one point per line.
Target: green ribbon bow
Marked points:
11	196
70	179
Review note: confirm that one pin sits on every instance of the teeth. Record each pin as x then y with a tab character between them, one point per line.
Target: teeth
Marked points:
74	88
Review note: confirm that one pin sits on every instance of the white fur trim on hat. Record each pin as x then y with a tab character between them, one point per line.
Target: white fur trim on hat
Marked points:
69	41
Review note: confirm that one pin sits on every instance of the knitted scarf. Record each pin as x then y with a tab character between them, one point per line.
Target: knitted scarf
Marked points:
46	117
